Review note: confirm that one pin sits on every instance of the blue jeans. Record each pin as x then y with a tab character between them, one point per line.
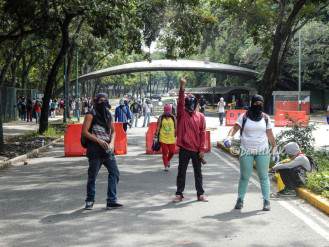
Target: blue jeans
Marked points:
77	114
113	178
134	119
147	118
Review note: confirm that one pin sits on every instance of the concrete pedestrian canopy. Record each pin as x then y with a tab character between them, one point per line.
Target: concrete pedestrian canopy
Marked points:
170	65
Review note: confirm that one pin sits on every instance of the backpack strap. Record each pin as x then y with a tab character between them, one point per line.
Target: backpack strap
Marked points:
244	120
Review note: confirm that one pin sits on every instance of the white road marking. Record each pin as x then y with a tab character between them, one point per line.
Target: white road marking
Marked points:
307	220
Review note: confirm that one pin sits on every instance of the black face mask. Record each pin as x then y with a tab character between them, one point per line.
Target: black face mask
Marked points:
255	112
190	104
101	107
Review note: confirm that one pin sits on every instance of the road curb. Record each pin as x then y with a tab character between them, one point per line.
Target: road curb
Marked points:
22	158
317	201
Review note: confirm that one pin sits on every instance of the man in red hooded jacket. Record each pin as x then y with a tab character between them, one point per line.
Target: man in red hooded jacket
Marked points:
191	129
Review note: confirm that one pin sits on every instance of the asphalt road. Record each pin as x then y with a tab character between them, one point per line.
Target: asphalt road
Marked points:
41	205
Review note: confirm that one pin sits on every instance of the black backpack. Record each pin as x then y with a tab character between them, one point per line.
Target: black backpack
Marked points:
244	120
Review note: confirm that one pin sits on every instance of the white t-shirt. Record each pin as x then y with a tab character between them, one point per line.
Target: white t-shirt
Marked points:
221	107
254	136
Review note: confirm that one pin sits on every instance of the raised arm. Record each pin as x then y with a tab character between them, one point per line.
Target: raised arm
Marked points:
181	98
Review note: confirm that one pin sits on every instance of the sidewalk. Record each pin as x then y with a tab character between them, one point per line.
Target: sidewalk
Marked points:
17	128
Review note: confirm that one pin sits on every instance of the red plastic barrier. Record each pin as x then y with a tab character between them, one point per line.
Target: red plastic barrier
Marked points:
120	142
289	118
232	116
72	145
292	106
150	134
207	142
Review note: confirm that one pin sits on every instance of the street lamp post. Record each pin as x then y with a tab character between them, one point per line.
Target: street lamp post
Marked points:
299	70
66	93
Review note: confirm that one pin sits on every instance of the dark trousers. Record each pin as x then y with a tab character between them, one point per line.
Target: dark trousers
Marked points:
221	117
113	178
288	177
184	159
125	126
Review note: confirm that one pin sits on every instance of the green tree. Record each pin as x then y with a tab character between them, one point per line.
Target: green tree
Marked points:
273	24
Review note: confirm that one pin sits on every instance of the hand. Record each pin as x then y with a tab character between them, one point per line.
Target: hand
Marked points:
103	144
276	157
111	146
201	155
182	82
228	142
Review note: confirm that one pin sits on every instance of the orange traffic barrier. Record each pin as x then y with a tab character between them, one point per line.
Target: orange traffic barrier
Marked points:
292	106
232	116
120	142
207	142
289	118
72	145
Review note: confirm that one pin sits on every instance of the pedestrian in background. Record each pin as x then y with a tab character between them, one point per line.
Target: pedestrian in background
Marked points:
221	110
147	111
37	110
136	110
166	132
29	109
122	114
256	133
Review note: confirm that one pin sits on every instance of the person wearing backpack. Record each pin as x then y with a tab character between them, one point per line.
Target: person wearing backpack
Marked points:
166	131
293	172
136	110
256	134
122	114
99	135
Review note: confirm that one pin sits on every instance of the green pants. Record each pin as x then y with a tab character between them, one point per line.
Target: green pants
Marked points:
246	168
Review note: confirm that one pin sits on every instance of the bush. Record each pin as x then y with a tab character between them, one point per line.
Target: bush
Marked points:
318	182
322	159
302	136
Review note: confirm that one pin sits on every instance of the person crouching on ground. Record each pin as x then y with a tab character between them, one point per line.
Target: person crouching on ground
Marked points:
292	172
99	131
166	131
255	132
191	130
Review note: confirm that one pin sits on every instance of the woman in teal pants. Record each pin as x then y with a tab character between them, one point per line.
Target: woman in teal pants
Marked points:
256	134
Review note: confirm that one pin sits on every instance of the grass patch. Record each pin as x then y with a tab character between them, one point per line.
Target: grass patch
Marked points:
318	182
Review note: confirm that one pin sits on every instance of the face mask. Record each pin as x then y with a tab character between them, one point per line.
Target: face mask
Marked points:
100	107
257	108
190	104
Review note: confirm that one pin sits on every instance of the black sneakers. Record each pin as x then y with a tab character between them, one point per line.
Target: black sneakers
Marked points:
266	205
239	204
89	205
113	205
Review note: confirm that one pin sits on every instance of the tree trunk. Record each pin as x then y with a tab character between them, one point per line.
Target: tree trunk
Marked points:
53	74
1	132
